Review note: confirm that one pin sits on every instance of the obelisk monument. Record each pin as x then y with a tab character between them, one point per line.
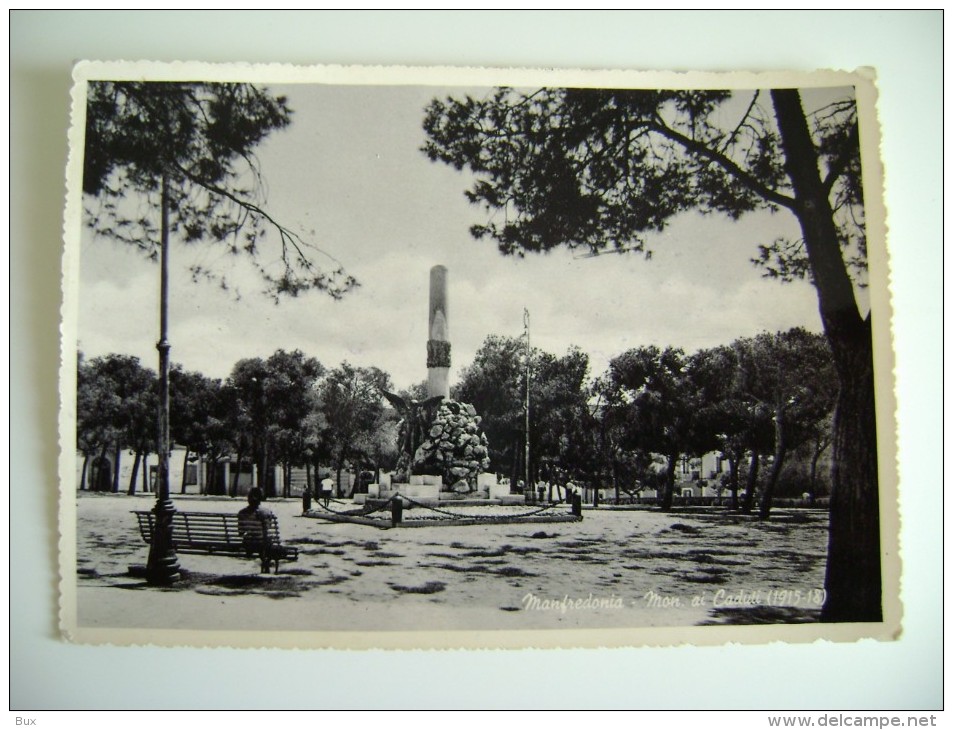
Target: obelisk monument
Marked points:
438	344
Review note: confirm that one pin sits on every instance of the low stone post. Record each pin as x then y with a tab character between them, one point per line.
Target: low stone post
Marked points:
396	511
577	505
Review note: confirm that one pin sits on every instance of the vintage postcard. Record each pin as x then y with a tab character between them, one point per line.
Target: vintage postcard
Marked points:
475	358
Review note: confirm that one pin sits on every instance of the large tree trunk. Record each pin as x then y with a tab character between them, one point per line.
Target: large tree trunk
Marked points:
145	472
853	580
135	473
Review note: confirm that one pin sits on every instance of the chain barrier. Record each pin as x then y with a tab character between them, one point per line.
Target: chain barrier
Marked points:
365	513
457	515
383	507
348	513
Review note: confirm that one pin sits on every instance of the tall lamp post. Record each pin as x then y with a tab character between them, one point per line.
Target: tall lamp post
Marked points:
163	566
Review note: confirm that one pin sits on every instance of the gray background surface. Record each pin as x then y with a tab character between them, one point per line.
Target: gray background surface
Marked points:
904	47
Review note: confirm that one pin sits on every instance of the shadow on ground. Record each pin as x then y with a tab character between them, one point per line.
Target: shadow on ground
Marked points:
762	615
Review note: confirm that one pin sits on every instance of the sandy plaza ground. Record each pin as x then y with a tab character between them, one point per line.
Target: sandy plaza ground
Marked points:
615	568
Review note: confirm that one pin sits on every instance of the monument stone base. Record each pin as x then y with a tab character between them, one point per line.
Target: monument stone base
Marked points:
429	490
417	491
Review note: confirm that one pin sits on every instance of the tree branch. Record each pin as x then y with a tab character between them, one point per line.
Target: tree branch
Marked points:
731	137
841	163
287	236
724	162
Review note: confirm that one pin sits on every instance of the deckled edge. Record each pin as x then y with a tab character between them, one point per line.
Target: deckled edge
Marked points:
69	312
881	307
381	75
862	79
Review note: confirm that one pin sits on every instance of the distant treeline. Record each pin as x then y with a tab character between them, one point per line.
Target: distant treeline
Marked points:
764	401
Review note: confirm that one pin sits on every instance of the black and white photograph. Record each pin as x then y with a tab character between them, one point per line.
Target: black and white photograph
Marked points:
399	357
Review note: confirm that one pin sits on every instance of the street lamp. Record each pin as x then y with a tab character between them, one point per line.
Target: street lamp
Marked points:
163	566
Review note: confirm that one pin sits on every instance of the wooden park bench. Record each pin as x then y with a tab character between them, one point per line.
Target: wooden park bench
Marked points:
214	533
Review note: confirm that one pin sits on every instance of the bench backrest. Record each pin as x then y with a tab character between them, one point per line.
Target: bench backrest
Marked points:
208	528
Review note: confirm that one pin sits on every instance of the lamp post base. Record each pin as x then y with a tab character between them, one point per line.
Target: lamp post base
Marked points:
163	565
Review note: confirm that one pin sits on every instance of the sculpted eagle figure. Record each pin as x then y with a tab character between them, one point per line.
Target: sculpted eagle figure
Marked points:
416	415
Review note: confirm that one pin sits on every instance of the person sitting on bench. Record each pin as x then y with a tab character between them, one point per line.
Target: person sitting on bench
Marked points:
251	520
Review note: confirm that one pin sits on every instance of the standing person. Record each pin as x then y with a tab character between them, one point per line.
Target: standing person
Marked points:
326	486
570	490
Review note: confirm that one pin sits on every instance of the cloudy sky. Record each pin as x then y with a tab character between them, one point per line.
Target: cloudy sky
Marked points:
349	168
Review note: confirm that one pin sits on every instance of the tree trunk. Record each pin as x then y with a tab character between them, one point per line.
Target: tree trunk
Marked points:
820	446
753	467
780	451
185	468
853	580
733	480
135	473
267	485
210	486
668	488
307	476
100	481
237	474
517	463
117	452
764	512
82	476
